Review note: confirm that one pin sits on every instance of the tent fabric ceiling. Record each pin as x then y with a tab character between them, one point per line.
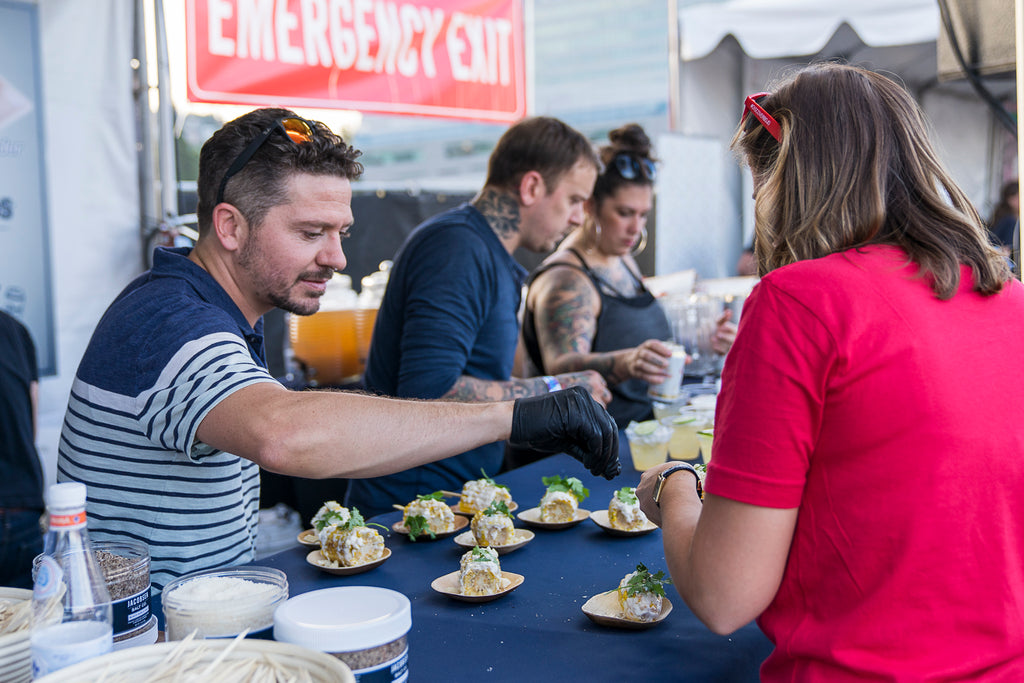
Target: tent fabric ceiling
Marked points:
769	29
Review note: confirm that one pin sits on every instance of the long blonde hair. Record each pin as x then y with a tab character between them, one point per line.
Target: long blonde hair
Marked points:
855	167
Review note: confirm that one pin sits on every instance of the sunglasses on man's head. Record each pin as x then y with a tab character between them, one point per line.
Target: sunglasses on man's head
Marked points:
750	105
631	168
295	129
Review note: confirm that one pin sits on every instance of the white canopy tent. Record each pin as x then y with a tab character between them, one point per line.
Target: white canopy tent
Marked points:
768	29
730	48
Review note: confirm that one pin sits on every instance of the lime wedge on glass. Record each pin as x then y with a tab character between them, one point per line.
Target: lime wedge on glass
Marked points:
681	420
646	427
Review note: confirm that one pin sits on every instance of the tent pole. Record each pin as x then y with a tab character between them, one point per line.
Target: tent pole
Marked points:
165	113
143	130
674	57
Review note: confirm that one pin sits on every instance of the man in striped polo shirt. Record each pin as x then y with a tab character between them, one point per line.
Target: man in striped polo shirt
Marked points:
172	410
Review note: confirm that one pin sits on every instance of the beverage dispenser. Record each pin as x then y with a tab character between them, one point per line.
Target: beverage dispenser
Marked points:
326	343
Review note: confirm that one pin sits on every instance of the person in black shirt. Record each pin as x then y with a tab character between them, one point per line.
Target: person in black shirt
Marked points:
21	489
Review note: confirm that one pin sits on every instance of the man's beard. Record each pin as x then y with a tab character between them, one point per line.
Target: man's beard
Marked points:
277	293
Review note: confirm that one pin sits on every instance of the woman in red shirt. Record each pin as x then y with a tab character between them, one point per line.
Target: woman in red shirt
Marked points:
863	497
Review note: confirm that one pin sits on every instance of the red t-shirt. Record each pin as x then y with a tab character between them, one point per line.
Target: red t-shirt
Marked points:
894	421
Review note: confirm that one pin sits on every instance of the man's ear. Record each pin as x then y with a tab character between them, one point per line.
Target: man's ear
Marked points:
531	188
229	226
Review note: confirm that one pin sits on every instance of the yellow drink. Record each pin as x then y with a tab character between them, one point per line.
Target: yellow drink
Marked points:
646	456
648	443
685	425
706	438
683	445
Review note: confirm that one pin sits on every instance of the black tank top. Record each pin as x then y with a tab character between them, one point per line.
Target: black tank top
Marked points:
624	322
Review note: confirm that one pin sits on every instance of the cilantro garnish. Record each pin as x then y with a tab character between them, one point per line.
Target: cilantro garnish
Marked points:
436	495
356	520
331	514
418	526
571	485
486	477
627	495
498	507
484	554
645	582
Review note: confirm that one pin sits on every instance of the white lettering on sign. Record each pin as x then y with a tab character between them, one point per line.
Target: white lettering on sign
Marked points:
478	48
365	35
217	11
256	29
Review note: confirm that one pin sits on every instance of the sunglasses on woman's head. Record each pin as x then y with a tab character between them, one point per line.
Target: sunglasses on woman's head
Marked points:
750	105
631	168
295	129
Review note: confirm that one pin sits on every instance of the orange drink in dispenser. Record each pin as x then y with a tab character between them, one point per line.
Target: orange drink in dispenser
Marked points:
327	344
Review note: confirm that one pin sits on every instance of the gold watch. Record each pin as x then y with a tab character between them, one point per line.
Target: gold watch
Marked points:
666	473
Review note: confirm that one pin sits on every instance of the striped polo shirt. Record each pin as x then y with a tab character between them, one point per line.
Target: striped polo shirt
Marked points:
170	348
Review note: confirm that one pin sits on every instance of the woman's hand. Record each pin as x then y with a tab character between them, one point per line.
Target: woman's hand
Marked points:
645	492
725	333
648	362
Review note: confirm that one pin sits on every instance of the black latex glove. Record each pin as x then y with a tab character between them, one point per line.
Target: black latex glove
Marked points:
568	421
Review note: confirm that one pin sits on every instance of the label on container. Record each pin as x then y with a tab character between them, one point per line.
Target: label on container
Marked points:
61	645
131	613
75	520
48	577
394	671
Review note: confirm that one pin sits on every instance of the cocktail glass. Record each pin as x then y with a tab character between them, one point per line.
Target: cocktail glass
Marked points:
685	424
648	443
706	438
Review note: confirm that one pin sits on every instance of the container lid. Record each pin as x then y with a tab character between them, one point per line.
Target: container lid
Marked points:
70	494
343	619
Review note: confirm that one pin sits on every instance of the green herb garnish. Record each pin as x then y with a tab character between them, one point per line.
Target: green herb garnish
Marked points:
418	526
484	554
645	582
627	495
498	507
331	514
436	495
571	485
490	481
356	520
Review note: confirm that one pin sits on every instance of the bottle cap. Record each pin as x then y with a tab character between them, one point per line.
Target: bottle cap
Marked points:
67	495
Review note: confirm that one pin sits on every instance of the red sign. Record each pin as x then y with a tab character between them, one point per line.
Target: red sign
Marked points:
452	58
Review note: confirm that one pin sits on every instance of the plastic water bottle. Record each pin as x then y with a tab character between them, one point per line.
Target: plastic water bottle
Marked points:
70	602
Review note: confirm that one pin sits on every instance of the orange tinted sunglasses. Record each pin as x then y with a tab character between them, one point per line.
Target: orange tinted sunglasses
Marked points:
295	129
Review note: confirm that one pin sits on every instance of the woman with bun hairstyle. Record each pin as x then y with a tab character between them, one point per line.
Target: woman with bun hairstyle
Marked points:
864	497
587	307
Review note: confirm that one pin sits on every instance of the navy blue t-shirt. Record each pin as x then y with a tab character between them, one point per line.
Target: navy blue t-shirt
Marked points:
449	310
22	485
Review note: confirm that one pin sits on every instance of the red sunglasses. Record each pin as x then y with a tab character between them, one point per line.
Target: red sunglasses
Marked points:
750	105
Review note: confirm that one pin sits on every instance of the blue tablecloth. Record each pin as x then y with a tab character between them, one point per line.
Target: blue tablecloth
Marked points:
538	631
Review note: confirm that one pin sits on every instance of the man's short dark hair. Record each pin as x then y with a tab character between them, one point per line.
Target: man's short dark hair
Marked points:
542	144
260	184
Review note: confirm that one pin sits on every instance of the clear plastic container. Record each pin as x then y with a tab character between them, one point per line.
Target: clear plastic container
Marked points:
71	615
221	603
125	567
364	626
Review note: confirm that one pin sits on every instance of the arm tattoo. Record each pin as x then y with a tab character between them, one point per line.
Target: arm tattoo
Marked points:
567	319
473	389
500	210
